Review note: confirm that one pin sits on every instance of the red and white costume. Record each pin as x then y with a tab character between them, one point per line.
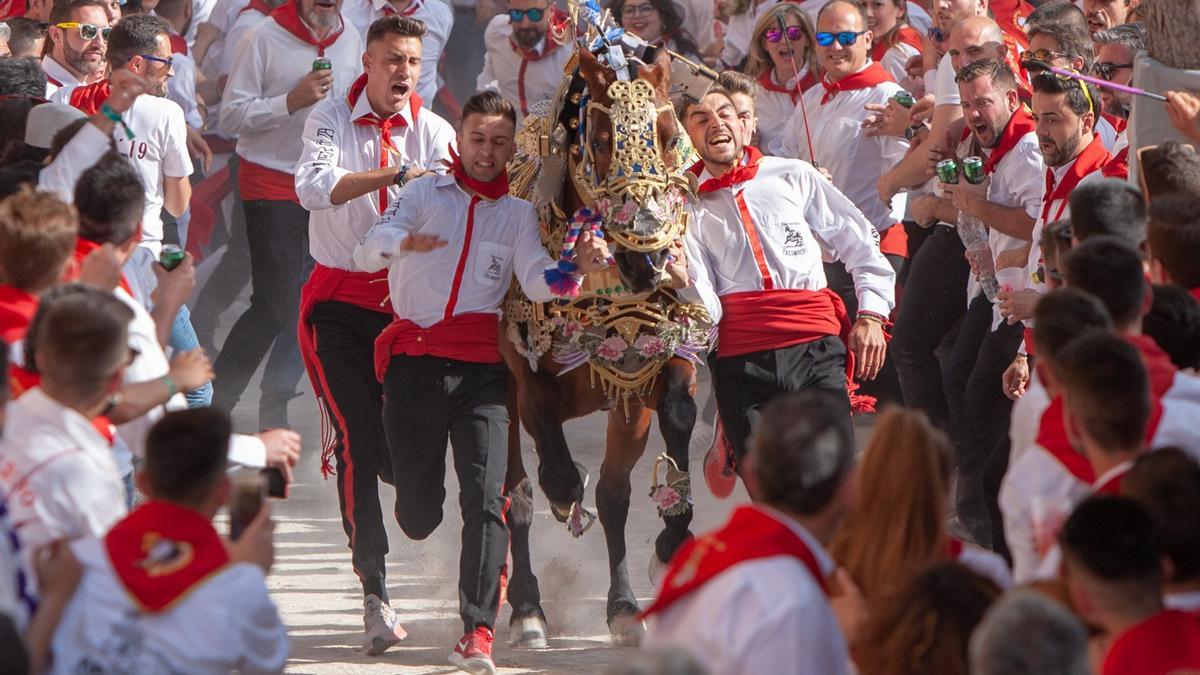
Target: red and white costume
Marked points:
720	600
160	594
1166	643
57	76
523	76
895	58
777	103
438	19
854	160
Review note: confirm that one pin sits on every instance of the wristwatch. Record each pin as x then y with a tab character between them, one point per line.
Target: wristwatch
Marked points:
401	176
910	132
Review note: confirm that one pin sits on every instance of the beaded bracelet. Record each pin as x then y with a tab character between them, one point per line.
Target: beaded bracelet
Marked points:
115	118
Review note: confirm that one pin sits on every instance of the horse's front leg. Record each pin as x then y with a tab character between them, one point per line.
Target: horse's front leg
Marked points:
626	443
676	418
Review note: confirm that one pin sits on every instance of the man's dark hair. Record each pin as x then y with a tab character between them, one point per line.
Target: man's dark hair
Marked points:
1170	167
62	10
186	453
1056	11
1072	40
489	103
396	24
1174	323
110	199
739	83
1130	35
133	35
1049	83
14	119
1174	236
1108	206
17	175
1113	538
22	77
1002	76
25	31
1110	269
1064	314
82	332
1166	482
803	448
1107	390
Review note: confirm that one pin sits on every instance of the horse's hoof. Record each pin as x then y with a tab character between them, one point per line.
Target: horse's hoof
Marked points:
626	630
527	632
657	570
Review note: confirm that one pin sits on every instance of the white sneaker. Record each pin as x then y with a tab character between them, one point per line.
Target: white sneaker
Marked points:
382	629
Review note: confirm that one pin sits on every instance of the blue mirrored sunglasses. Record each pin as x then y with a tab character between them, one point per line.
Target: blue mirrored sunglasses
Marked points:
845	38
535	14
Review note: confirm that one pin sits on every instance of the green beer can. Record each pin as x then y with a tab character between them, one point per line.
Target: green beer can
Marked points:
947	171
904	98
972	168
322	64
171	256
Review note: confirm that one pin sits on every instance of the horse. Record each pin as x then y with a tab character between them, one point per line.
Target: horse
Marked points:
621	140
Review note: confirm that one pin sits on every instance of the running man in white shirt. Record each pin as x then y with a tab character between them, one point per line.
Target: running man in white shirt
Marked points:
438	19
752	597
760	228
451	245
79	35
358	153
162	591
525	55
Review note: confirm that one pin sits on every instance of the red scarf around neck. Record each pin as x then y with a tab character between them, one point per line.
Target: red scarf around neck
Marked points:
1019	124
89	97
17	308
742	172
1092	159
287	16
768	84
906	35
750	534
385	126
161	551
868	77
83	248
491	190
389	10
260	6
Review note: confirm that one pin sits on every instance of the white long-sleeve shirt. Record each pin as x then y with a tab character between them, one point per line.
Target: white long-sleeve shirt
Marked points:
504	242
522	81
760	616
438	19
227	622
800	219
775	110
854	160
334	146
57	76
268	64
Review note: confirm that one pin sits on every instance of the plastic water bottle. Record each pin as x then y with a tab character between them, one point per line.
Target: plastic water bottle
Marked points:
974	235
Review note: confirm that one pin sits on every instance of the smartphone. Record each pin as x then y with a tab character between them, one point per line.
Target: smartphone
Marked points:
245	501
277	485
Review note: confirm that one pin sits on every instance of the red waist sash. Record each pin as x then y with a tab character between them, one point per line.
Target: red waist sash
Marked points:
474	338
757	321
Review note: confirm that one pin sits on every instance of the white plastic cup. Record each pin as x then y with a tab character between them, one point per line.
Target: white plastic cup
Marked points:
1011	279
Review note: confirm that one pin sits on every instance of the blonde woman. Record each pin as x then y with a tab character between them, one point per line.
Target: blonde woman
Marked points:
784	63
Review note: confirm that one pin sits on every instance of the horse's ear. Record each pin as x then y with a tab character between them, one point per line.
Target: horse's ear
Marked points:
658	73
596	74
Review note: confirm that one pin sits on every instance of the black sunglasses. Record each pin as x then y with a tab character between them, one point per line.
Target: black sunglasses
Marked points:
1105	70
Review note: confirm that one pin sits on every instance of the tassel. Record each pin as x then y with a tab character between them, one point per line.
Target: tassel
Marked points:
561	279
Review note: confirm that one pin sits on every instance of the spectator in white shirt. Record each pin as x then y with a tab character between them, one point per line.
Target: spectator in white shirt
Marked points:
784	62
162	591
74	58
438	19
721	598
526	53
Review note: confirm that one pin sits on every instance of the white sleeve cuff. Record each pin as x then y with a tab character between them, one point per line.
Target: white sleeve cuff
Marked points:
247	451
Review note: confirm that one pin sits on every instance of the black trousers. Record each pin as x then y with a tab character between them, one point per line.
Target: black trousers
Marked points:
986	412
277	233
345	345
745	383
933	304
960	363
427	400
230	275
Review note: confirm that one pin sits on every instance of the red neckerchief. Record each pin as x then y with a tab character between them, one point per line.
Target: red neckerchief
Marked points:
160	552
868	77
259	6
178	45
1093	157
744	171
385	126
89	97
556	31
768	83
750	534
491	190
82	248
1118	123
1052	437
1019	124
1118	166
412	8
287	16
17	308
1111	485
904	35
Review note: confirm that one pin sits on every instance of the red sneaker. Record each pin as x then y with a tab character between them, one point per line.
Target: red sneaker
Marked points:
718	465
473	653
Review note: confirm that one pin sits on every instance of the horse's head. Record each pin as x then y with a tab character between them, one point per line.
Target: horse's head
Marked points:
630	166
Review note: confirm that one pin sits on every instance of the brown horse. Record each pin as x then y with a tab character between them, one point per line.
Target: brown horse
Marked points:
599	167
